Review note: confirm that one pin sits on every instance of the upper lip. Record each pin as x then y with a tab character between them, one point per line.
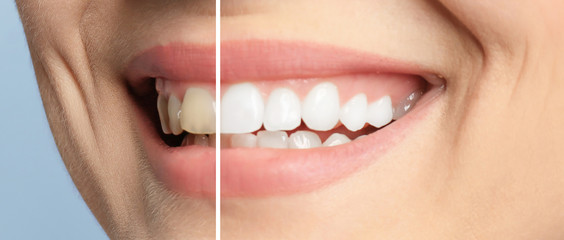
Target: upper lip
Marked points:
262	60
267	172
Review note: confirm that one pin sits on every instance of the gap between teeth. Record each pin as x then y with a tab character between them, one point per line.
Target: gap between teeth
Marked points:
243	111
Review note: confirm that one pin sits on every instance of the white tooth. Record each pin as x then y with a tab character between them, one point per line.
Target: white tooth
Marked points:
246	140
353	113
282	110
275	139
201	140
174	114
336	139
320	108
198	112
380	112
162	107
303	140
360	137
407	104
242	109
212	140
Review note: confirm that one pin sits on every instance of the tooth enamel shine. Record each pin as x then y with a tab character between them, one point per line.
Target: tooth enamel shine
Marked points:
353	113
380	112
242	109
304	140
282	110
320	108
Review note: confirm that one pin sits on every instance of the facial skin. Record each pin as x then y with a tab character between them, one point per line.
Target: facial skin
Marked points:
78	50
484	163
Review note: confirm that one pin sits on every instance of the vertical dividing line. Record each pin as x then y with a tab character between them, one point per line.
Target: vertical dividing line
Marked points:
217	119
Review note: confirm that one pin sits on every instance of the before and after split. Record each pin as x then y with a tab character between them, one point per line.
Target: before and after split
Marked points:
307	119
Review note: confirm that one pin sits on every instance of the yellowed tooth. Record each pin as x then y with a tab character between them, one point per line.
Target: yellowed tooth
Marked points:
162	107
186	140
174	114
201	140
198	112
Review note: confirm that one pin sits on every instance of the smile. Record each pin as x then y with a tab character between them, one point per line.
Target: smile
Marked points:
295	116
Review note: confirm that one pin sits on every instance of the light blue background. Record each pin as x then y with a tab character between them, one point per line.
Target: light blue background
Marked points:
37	197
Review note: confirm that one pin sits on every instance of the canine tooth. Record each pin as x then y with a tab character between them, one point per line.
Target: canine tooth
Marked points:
303	140
407	104
242	109
245	140
353	113
198	111
174	114
201	140
272	139
282	110
320	108
212	140
336	139
380	112
162	108
360	137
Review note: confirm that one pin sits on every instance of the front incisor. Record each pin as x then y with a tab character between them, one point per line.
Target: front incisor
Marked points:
198	112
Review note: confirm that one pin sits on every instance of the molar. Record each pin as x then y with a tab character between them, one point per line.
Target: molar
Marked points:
407	104
320	108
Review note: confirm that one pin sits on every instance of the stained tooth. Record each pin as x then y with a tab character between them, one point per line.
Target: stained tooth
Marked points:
380	112
282	110
353	113
162	107
246	140
186	140
272	139
201	140
242	109
320	108
407	104
159	85
303	140
336	139
198	112
212	140
174	114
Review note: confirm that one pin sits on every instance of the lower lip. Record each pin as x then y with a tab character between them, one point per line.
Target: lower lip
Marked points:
190	171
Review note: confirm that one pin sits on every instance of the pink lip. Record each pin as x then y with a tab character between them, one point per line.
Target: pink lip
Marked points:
265	172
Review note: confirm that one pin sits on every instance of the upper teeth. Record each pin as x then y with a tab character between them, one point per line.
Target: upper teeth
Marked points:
243	110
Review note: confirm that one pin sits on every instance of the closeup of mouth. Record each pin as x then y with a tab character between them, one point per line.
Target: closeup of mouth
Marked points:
295	116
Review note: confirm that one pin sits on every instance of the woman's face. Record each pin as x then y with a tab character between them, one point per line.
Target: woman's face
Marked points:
475	156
